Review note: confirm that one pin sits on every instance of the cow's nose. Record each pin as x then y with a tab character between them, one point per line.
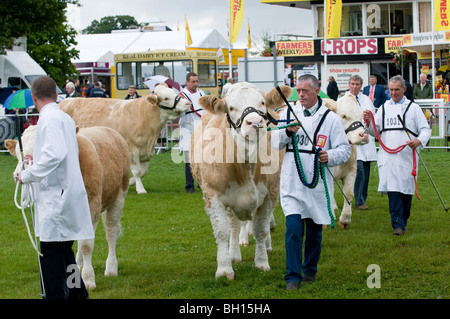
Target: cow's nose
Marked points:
255	122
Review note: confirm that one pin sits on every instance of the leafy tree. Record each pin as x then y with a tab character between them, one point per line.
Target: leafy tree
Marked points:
49	37
109	23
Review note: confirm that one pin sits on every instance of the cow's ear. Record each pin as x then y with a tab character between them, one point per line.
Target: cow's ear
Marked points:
274	99
153	98
331	104
213	104
11	146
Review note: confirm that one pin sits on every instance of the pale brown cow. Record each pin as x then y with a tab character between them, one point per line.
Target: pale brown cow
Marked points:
348	109
139	121
237	170
105	167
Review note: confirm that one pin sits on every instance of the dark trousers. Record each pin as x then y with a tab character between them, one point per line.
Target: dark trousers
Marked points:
295	229
189	177
399	208
362	182
60	273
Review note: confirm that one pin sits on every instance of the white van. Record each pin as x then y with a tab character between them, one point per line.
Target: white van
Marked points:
18	69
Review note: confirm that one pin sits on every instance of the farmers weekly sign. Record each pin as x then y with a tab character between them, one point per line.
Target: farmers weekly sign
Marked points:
295	48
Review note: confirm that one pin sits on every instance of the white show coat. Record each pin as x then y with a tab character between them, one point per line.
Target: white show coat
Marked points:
395	169
366	152
296	198
190	119
62	208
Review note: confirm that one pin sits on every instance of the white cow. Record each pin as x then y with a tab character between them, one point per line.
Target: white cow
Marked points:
139	121
348	109
105	167
238	172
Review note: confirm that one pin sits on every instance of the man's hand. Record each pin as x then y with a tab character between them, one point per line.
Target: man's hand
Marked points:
366	116
293	129
415	143
323	156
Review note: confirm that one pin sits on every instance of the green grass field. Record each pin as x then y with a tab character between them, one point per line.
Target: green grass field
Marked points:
167	249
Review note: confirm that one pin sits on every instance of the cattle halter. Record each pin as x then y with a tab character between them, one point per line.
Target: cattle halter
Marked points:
246	112
355	125
177	99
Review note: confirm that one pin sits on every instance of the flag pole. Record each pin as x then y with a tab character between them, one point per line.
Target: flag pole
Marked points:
325	58
230	53
433	72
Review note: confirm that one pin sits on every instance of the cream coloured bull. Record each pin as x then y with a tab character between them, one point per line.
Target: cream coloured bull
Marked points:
139	121
238	172
105	167
348	109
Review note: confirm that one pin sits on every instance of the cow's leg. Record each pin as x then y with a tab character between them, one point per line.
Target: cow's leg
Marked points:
261	231
346	215
219	221
136	170
243	234
86	247
235	227
111	221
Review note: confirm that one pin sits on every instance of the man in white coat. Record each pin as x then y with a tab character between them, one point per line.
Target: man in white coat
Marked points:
188	121
395	169
303	206
62	208
365	154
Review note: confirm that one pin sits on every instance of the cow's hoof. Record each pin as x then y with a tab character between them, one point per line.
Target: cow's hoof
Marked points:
229	275
263	266
344	226
141	192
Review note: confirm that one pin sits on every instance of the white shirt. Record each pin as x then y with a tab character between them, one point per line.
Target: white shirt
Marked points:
366	152
190	119
296	198
395	169
62	208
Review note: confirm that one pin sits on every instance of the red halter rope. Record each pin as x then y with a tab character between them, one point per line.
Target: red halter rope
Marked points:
396	150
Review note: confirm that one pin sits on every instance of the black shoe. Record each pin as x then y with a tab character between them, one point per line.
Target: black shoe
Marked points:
308	279
292	285
398	232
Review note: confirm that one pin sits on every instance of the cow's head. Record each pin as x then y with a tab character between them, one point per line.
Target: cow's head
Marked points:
168	101
349	110
28	137
246	108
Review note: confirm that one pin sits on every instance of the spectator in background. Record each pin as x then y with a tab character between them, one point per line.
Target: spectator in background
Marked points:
375	92
132	94
225	88
332	89
97	91
423	90
161	69
71	90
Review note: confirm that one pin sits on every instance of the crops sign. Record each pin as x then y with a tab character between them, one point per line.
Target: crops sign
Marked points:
351	46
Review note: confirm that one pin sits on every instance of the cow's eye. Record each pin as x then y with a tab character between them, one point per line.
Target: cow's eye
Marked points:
232	108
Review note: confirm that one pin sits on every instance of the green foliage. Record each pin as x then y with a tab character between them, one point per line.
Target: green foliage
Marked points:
109	23
167	249
49	36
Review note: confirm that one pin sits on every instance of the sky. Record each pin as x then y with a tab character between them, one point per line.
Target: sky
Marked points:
201	14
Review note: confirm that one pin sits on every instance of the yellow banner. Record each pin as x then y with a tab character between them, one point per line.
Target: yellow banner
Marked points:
188	33
236	17
333	18
441	15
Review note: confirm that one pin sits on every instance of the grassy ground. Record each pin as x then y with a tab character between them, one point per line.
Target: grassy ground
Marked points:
167	249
